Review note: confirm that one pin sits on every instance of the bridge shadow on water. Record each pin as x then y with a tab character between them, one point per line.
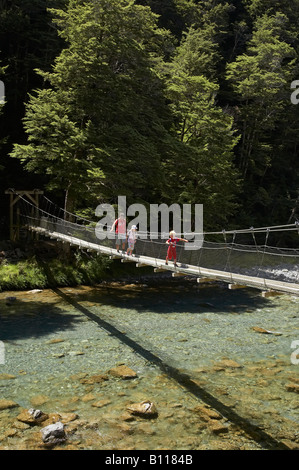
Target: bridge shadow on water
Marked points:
177	298
182	378
21	320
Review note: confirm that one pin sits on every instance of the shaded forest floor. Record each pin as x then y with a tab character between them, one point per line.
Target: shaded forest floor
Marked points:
44	264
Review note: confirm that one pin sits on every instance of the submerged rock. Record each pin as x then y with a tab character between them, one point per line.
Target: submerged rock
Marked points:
55	340
227	364
94	379
218	428
258	329
292	387
5	404
7	376
207	413
145	409
32	416
123	372
101	403
39	400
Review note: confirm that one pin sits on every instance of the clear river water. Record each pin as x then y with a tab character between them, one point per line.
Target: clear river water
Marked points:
220	365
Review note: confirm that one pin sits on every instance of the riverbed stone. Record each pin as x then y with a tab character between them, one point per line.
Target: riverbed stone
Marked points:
227	364
78	376
123	372
217	427
146	428
56	417
292	387
127	417
88	397
7	376
206	413
291	444
19	425
55	340
101	403
8	433
94	379
52	418
39	400
68	417
53	434
32	416
258	329
294	379
6	404
144	409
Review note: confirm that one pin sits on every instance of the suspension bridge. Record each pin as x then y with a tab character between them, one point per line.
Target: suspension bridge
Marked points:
241	258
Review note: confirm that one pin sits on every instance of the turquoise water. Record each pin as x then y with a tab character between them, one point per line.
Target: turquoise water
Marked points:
192	347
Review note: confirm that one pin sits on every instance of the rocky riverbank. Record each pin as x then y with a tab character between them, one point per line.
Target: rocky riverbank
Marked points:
93	418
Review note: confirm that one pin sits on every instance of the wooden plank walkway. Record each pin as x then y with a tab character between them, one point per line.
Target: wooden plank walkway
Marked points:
233	279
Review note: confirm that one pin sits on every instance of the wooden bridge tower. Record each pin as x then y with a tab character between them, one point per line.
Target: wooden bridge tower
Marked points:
14	212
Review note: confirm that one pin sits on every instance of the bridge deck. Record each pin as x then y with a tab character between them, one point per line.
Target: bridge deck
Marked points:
182	269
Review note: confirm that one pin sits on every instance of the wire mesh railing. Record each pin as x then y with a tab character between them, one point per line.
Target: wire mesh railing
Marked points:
247	252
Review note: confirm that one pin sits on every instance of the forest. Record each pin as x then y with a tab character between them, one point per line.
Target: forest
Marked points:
161	101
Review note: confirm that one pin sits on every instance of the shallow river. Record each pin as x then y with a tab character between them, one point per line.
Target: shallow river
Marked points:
220	365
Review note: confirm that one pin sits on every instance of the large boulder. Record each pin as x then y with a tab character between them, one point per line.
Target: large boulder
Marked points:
53	434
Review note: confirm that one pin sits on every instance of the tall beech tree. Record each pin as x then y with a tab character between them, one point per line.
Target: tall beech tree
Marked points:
205	173
261	79
96	130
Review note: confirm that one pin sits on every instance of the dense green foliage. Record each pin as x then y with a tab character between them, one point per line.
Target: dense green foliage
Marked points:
175	101
35	272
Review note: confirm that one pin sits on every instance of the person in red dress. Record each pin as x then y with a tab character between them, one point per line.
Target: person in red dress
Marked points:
171	242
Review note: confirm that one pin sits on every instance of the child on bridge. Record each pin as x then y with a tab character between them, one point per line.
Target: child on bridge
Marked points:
132	235
172	241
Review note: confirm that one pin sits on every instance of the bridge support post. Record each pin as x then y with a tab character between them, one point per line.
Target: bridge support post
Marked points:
14	214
